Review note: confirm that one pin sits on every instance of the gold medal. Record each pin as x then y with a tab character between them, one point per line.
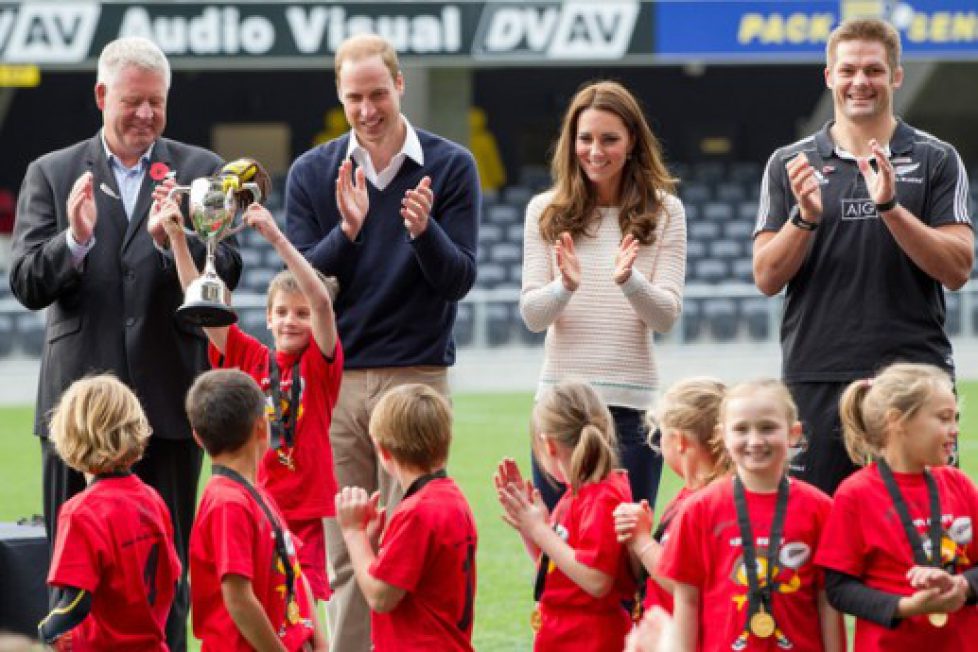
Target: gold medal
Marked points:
762	624
292	612
536	620
937	619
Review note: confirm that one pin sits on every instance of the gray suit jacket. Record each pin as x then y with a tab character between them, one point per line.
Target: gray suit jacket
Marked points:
115	314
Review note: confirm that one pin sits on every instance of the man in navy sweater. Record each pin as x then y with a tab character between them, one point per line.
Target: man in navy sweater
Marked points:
393	213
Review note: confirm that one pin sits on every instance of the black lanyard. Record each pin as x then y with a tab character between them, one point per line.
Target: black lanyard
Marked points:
421	481
283	424
111	474
900	504
759	596
665	522
280	548
541	580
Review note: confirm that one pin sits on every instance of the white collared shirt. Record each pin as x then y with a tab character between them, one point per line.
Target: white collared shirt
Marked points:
843	154
128	180
410	149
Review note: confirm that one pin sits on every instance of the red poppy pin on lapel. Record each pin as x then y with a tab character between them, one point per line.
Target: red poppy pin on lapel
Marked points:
159	171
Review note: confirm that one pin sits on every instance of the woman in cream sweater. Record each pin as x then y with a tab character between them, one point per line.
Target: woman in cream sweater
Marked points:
604	261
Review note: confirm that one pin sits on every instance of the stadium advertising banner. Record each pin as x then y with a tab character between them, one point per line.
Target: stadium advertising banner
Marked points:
69	34
764	31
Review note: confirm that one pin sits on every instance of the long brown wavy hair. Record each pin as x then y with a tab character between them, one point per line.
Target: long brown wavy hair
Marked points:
573	207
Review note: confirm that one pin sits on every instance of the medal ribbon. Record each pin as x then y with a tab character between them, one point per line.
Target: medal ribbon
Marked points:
421	481
758	596
541	579
111	474
280	548
900	504
664	523
283	426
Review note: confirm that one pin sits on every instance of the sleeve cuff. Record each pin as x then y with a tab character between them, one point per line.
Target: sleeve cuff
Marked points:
971	576
165	251
634	283
78	251
559	291
891	604
345	245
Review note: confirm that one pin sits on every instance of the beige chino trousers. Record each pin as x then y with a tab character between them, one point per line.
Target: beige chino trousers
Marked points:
356	465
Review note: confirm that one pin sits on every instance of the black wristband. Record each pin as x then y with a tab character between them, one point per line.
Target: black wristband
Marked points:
887	205
795	217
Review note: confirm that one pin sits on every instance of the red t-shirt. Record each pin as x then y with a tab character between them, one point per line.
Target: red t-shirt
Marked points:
704	550
111	538
572	619
655	595
232	535
306	491
428	550
864	538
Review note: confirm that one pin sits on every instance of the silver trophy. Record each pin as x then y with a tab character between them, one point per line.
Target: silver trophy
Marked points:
214	203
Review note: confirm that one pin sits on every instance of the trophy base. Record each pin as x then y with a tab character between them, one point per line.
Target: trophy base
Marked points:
207	314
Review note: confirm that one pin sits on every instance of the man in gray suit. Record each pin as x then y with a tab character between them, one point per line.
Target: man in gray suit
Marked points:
86	248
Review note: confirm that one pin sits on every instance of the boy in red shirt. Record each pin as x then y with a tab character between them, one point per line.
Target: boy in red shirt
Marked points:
420	582
114	563
247	589
301	385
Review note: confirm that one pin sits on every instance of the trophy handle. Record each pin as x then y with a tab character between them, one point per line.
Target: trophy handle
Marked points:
255	191
236	229
175	191
256	197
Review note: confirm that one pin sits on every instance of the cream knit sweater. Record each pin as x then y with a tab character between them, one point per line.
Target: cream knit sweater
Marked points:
602	332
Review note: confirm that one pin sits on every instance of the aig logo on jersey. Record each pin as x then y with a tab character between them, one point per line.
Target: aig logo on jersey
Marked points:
859	209
569	30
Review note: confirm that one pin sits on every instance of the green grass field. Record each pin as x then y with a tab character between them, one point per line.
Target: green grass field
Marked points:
488	427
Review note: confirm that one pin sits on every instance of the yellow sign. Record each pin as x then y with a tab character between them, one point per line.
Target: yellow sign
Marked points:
25	76
943	27
782	29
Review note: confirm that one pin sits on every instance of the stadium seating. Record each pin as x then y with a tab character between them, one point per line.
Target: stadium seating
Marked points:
720	201
6	334
30	333
464	325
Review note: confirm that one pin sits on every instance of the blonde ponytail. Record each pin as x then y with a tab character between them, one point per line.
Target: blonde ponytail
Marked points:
593	458
575	417
860	444
902	387
693	406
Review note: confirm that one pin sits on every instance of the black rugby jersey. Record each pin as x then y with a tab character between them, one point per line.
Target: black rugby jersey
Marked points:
858	302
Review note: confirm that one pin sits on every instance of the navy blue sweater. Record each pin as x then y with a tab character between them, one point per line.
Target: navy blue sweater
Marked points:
398	297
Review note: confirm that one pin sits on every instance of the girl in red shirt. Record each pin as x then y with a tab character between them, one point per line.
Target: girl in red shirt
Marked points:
889	518
742	552
692	447
583	577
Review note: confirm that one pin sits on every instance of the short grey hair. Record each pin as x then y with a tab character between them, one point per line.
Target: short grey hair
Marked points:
131	51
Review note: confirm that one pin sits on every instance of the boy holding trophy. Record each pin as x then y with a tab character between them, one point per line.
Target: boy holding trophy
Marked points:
300	378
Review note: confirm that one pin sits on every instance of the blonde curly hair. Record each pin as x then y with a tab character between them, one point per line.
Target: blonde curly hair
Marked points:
99	426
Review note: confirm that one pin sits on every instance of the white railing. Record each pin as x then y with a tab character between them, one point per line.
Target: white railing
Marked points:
961	314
